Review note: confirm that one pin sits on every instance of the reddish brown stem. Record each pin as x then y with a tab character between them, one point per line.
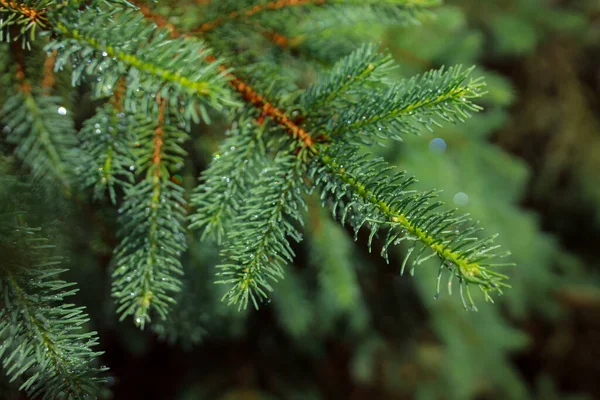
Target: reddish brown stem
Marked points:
17	53
117	98
159	137
248	12
277	38
48	79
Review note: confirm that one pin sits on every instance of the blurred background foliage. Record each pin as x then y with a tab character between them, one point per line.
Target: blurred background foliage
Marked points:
344	324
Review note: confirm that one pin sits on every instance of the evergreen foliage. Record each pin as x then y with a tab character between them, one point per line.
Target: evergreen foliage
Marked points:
44	139
157	86
44	346
152	229
108	151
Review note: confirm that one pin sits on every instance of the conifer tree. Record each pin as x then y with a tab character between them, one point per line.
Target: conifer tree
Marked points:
159	82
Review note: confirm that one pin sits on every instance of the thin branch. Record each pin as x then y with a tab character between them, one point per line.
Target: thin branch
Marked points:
17	52
251	11
117	97
158	140
278	39
48	79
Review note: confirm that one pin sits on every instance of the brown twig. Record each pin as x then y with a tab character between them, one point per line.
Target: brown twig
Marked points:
17	53
248	12
117	97
158	140
48	79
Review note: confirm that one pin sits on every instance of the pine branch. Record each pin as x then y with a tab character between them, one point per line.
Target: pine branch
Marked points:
152	219
406	107
22	20
45	139
364	192
38	125
224	184
42	337
365	67
148	67
106	141
258	247
188	321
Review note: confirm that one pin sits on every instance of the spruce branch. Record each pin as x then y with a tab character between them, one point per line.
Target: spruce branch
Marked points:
41	129
258	248
45	139
106	142
364	192
152	232
364	67
406	107
148	66
43	342
224	184
23	19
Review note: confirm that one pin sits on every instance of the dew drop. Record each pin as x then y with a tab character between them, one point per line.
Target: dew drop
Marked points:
437	145
461	199
62	111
